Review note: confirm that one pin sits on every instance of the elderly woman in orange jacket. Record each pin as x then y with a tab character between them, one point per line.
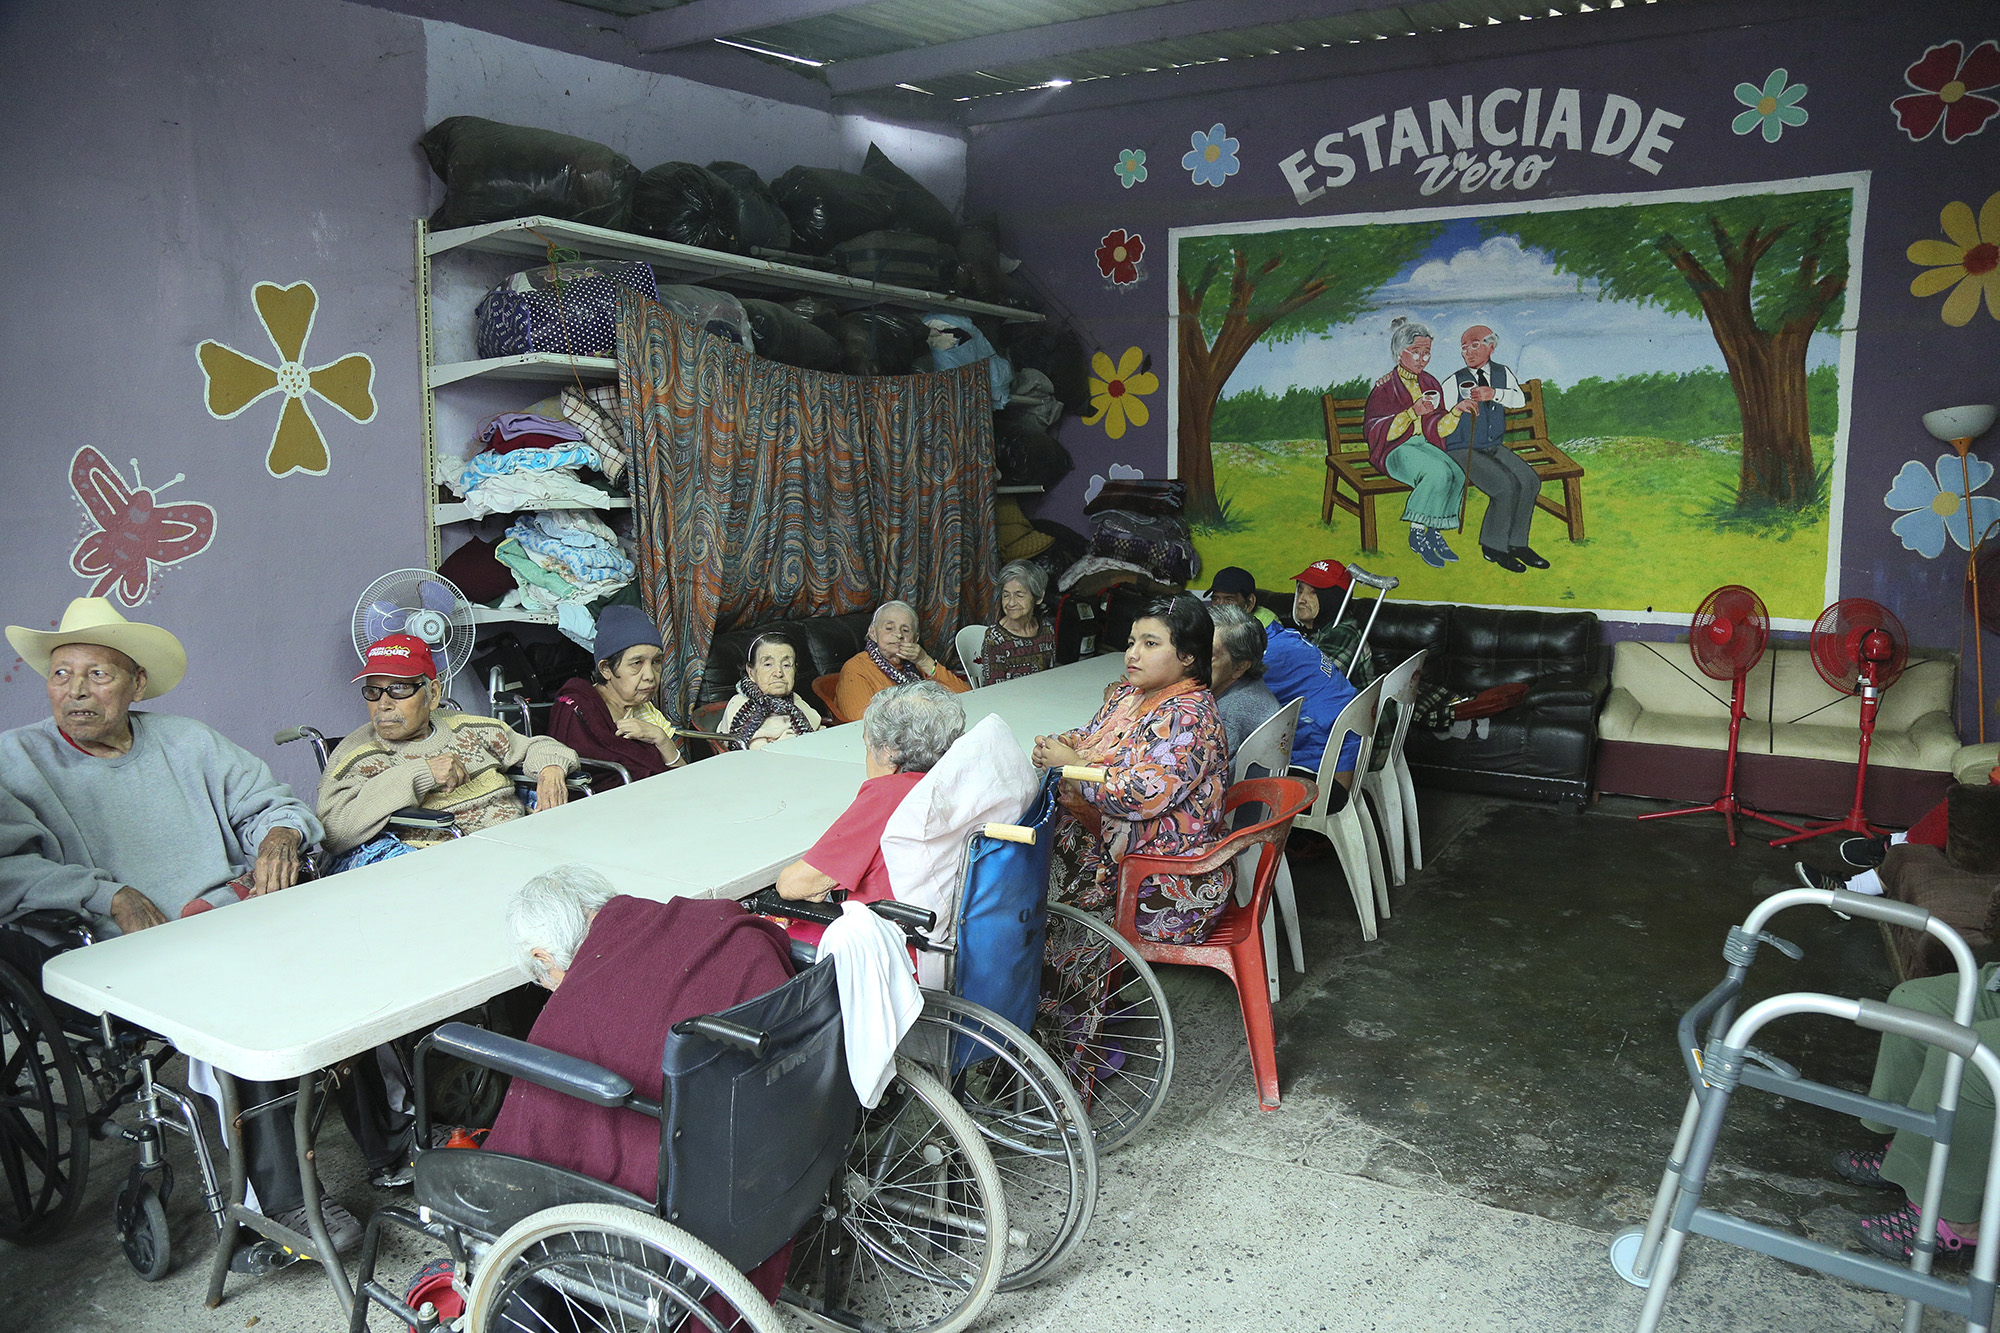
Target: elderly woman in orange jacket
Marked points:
892	656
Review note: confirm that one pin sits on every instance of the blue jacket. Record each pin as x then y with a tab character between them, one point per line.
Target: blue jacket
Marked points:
1295	669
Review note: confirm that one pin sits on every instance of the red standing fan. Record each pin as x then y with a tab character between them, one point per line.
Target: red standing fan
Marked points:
1859	648
1727	638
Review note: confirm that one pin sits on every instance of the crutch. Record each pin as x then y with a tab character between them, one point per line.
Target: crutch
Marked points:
1382	584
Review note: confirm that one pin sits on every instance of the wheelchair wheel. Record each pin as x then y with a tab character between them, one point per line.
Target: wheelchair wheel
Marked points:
606	1269
44	1129
908	1239
142	1230
462	1093
1104	1019
1032	1121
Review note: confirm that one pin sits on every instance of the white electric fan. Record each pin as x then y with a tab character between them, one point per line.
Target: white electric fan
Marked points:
420	603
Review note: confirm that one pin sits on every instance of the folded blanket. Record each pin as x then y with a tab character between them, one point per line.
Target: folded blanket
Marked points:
480	467
579	553
561	489
510	425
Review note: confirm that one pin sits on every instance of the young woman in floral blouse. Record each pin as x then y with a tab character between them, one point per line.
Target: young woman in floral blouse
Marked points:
1167	768
1021	642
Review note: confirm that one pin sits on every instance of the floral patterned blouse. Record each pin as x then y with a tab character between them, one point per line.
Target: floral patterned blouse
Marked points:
1008	656
1167	772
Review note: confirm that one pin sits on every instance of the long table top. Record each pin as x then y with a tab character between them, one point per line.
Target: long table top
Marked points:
280	985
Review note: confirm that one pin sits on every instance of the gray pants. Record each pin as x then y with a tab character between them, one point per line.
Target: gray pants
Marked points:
1510	486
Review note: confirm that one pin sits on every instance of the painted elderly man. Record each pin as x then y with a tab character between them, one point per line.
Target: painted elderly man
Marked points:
1478	444
140	817
415	753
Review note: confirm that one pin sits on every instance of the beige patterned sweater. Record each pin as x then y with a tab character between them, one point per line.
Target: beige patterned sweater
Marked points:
368	779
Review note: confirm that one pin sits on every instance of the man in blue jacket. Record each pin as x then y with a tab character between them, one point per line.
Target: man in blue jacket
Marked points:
1295	669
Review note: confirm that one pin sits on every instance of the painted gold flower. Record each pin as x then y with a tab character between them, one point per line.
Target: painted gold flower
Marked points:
236	381
1117	395
1968	262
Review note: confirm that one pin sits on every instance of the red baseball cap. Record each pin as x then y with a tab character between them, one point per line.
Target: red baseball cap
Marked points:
402	656
1324	574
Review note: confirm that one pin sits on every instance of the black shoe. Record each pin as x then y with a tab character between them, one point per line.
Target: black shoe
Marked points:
401	1170
1813	877
1503	559
1864	853
1526	555
260	1258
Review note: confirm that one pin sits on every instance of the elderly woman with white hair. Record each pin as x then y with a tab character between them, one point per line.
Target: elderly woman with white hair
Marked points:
1022	641
905	731
893	655
1406	425
623	971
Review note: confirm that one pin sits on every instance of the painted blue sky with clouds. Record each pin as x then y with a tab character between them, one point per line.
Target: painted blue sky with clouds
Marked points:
1550	326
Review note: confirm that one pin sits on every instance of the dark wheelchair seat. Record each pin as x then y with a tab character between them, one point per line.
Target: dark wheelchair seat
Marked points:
486	1193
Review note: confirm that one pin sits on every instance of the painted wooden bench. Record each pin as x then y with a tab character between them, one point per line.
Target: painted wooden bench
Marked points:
1352	483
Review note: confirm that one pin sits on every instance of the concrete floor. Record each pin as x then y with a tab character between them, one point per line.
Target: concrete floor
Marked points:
1473	1104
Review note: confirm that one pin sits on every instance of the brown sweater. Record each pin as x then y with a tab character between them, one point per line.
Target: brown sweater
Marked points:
368	779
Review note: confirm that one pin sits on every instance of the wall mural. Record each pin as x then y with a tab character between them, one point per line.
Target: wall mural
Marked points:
1606	403
1967	261
1948	82
236	381
129	536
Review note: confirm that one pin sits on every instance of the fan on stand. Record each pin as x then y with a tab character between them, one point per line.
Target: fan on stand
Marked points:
1727	638
1859	647
419	603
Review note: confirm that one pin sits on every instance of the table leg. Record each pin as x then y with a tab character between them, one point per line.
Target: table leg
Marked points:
302	1138
232	1198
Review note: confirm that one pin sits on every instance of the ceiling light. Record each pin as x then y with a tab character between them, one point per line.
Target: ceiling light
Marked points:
775	55
911	87
1056	83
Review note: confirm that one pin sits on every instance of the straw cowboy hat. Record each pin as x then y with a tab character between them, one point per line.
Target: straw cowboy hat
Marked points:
95	620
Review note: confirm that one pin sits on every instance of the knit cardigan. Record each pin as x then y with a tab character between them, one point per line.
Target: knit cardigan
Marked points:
368	779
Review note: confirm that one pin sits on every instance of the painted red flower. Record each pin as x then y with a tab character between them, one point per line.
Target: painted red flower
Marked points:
135	534
1948	82
1118	257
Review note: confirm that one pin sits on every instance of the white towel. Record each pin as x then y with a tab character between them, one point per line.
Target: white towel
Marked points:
879	1000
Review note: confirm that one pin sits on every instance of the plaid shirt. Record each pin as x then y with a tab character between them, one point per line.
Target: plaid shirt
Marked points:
1338	641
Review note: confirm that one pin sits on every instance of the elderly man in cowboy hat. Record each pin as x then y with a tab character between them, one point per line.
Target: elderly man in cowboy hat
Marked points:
414	753
141	816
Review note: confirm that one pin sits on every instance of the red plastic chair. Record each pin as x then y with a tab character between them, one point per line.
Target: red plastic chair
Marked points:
1236	946
828	689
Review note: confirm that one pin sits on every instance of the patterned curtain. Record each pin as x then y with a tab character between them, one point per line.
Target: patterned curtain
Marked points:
765	492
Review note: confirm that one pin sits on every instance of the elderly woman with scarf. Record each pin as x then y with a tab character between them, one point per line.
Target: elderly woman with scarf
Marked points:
614	718
1406	433
1166	762
893	655
765	708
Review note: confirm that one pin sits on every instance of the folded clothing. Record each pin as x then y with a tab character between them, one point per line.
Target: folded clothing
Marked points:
579	543
1158	543
482	467
526	430
561	489
594	413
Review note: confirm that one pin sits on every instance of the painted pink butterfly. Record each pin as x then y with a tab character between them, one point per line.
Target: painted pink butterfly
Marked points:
135	533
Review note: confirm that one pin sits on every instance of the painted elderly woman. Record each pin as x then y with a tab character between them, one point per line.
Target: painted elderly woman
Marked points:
766	707
893	655
1166	763
1406	428
1023	640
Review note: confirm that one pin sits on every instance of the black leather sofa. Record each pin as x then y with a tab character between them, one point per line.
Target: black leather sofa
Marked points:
1542	748
824	644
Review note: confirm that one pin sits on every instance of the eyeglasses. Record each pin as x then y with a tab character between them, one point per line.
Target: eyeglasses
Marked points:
401	689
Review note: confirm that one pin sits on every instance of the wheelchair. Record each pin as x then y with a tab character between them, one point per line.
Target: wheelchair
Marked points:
896	1215
65	1077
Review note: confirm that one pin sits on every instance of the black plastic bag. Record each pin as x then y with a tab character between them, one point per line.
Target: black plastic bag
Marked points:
823	314
877	342
827	207
917	209
978	272
1054	349
900	258
760	223
1027	457
686	204
784	336
493	172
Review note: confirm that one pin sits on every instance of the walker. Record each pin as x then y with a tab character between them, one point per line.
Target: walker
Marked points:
1647	1257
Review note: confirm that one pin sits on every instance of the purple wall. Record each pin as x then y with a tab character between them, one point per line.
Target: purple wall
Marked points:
1050	180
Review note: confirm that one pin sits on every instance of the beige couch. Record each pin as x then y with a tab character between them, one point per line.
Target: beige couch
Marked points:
1665	726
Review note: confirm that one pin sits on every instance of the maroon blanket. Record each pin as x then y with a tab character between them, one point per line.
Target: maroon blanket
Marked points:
579	719
643	967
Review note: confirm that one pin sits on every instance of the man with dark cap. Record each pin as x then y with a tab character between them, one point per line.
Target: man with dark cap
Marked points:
1235	586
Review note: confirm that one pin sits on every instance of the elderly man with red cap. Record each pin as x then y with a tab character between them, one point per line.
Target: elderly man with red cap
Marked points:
413	753
1295	668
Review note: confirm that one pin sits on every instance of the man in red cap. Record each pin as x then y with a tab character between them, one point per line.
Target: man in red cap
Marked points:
412	754
1295	668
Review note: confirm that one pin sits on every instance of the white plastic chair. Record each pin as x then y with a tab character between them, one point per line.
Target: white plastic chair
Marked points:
1388	782
1270	749
1349	827
969	641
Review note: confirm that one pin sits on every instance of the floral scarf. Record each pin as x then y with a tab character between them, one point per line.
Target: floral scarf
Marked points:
759	706
1106	734
897	672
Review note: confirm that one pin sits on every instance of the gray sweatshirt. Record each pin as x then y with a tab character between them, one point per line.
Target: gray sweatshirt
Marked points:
180	814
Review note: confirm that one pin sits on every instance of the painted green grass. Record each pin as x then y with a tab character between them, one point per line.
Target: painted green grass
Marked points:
1651	543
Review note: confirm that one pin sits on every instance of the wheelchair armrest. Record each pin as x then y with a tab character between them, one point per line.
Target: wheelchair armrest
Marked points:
72	928
623	773
544	1068
729	1034
906	915
416	817
526	785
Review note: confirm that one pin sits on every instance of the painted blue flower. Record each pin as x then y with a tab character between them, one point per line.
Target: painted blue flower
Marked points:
1131	166
1773	106
1935	505
1212	160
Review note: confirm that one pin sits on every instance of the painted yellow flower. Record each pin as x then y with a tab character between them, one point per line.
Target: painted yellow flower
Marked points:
235	381
1117	396
1968	263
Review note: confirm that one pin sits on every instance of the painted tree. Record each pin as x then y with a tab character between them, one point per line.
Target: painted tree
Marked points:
1282	285
1765	271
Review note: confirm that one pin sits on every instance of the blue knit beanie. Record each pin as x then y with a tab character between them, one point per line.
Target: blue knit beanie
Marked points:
620	627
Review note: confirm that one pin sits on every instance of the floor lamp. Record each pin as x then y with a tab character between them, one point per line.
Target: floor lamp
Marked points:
1959	427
